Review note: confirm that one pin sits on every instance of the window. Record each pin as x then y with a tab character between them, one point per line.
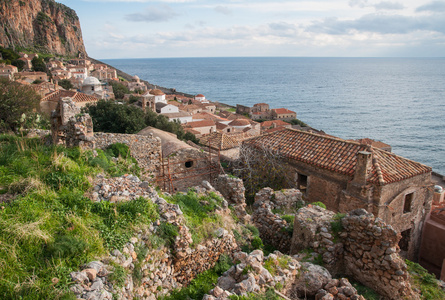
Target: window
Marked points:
407	203
405	240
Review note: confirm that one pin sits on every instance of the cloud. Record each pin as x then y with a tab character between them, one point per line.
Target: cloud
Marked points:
435	6
379	23
223	10
383	5
387	5
161	13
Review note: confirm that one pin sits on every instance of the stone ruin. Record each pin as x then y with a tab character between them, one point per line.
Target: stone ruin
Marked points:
70	127
356	244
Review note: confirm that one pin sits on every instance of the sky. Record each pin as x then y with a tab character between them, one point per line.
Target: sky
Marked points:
239	28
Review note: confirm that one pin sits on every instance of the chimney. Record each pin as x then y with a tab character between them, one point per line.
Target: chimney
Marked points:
362	167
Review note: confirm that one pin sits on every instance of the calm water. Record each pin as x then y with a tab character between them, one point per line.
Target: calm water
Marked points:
400	101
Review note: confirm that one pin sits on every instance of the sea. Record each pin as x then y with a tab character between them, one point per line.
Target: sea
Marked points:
399	101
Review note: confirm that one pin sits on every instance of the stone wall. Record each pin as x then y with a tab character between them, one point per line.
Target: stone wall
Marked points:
146	150
273	229
232	189
69	127
161	269
357	244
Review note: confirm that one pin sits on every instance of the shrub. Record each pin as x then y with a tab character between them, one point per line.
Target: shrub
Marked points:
320	204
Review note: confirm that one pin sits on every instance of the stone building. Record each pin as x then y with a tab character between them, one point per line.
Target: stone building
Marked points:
183	166
7	71
283	114
347	175
50	101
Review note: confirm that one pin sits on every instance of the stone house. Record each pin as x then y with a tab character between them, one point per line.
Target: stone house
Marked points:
201	98
50	101
203	127
104	74
8	71
283	114
158	94
241	109
32	76
137	85
274	124
183	165
181	117
163	108
347	175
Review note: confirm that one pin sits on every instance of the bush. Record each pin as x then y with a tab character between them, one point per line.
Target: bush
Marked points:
16	101
320	204
66	84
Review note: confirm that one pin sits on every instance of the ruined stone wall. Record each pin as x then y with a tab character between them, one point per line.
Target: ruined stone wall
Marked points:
273	229
371	255
357	244
188	167
392	209
146	150
232	189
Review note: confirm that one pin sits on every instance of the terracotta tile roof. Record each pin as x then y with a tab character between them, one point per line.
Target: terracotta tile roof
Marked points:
283	111
76	96
274	122
270	130
197	124
224	141
338	155
208	116
239	122
373	143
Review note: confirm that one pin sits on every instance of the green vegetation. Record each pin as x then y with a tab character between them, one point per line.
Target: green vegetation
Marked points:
119	89
272	265
9	55
199	213
109	116
203	283
365	291
43	18
51	228
424	281
297	122
320	204
18	104
66	84
38	64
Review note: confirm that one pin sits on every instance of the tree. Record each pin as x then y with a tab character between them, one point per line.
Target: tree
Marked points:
113	117
20	64
261	167
38	65
16	102
119	89
66	84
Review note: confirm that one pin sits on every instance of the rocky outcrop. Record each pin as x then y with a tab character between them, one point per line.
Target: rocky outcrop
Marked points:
42	25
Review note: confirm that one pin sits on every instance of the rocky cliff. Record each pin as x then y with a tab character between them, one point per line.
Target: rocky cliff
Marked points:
41	25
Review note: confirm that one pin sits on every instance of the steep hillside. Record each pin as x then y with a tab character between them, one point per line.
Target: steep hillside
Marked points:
41	25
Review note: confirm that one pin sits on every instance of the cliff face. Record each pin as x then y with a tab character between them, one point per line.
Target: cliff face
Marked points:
43	25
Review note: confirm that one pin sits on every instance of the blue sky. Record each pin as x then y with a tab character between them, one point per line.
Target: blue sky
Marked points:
326	28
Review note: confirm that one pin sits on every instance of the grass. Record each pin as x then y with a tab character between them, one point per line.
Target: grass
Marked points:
267	295
203	283
50	229
199	213
424	281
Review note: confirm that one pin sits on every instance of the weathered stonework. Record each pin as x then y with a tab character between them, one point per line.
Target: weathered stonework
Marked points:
273	229
365	248
71	128
146	150
232	189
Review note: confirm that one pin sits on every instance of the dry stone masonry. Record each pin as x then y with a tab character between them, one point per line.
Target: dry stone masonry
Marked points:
291	279
273	229
232	189
145	149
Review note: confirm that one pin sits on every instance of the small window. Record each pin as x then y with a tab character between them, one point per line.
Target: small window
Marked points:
189	164
407	203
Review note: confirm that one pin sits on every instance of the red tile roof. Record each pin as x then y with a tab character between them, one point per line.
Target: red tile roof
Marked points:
197	124
224	141
76	96
338	155
283	111
373	143
276	122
